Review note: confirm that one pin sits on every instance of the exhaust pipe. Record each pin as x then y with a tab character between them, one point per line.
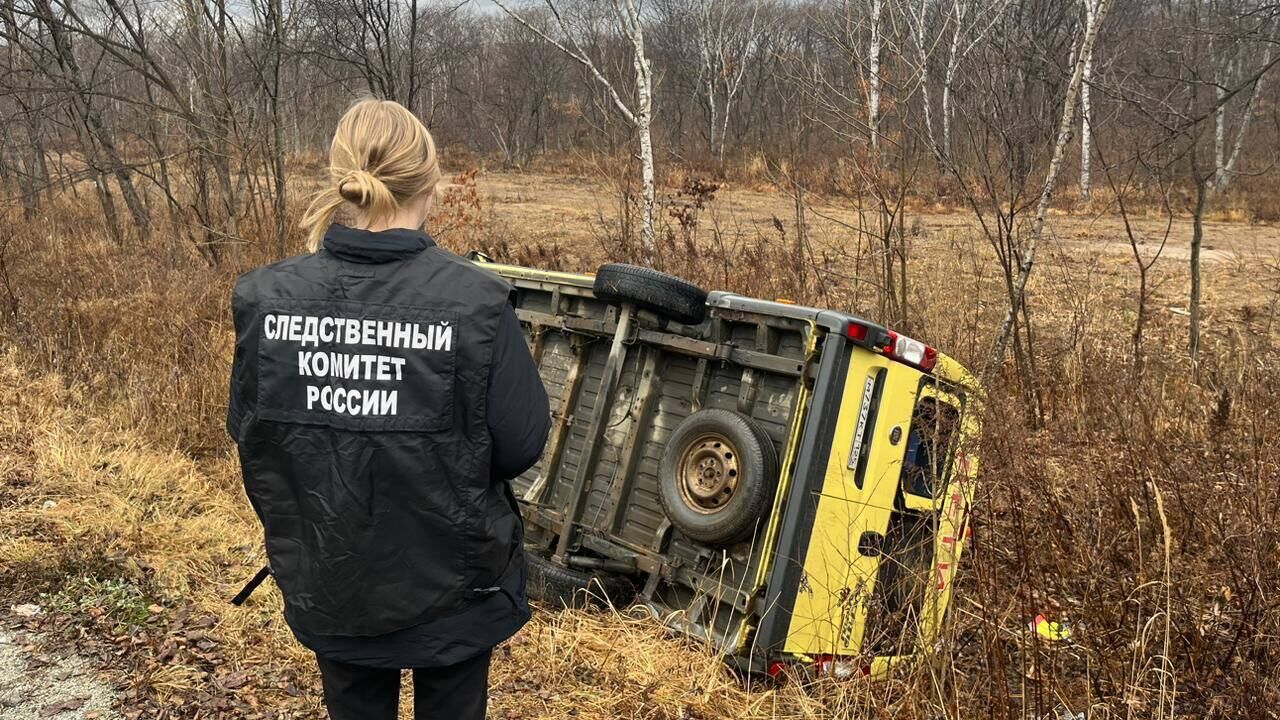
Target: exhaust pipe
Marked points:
609	565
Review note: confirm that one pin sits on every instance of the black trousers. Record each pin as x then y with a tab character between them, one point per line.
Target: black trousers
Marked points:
455	692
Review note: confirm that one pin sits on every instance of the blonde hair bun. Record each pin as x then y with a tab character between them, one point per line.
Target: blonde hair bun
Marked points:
359	187
381	157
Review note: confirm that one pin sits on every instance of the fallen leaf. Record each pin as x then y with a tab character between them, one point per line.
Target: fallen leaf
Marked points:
234	680
74	703
26	610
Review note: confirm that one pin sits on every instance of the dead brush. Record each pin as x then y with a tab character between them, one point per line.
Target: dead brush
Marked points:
1141	510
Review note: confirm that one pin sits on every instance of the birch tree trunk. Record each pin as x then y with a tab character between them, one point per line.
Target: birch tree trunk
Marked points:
629	21
709	84
724	41
1219	125
873	62
918	16
1086	107
707	69
1227	171
1018	292
948	79
643	121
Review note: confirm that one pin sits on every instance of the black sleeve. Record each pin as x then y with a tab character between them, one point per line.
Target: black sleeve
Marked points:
235	407
238	394
519	415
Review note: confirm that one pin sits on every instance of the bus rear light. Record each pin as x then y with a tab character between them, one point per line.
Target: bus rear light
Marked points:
898	347
911	351
930	359
870	336
841	667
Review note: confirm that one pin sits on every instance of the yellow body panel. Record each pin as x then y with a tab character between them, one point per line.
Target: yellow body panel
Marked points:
830	615
550	276
955	503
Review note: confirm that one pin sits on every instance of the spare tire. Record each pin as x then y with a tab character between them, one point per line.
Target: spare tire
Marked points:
717	476
665	294
564	587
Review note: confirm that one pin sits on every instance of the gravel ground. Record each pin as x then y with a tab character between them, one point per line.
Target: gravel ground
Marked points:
62	687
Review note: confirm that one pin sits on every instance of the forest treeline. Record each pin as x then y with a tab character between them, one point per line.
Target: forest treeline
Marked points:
199	102
189	112
151	150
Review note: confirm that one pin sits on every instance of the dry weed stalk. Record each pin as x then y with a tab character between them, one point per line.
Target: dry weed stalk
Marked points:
114	378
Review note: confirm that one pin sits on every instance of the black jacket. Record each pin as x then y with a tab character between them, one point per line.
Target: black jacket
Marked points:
381	396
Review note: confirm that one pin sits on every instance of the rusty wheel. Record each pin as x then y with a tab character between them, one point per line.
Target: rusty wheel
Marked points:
717	476
709	473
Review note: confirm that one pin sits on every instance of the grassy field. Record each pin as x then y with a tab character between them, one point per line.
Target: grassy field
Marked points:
1140	506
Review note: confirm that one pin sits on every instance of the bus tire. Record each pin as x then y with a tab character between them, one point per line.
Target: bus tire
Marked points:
563	587
664	294
717	476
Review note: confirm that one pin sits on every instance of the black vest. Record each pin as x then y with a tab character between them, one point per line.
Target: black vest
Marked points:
365	449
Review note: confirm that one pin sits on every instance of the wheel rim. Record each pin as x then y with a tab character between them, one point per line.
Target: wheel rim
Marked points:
709	473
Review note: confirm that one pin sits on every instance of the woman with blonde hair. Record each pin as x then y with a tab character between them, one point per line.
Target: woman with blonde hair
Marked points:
382	396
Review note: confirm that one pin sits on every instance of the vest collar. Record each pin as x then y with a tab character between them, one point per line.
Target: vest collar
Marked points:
369	247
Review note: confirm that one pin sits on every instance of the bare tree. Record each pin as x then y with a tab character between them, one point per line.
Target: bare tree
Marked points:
516	86
105	158
1177	102
269	15
1226	164
376	38
1018	290
1122	189
970	26
24	139
726	31
918	12
846	77
627	16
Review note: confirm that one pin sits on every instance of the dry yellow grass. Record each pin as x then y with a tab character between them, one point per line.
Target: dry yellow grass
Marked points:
1140	507
185	528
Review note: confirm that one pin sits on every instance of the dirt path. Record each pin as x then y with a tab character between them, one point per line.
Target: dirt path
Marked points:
35	685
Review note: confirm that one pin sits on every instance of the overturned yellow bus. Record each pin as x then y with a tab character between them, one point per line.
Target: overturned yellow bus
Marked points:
791	484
